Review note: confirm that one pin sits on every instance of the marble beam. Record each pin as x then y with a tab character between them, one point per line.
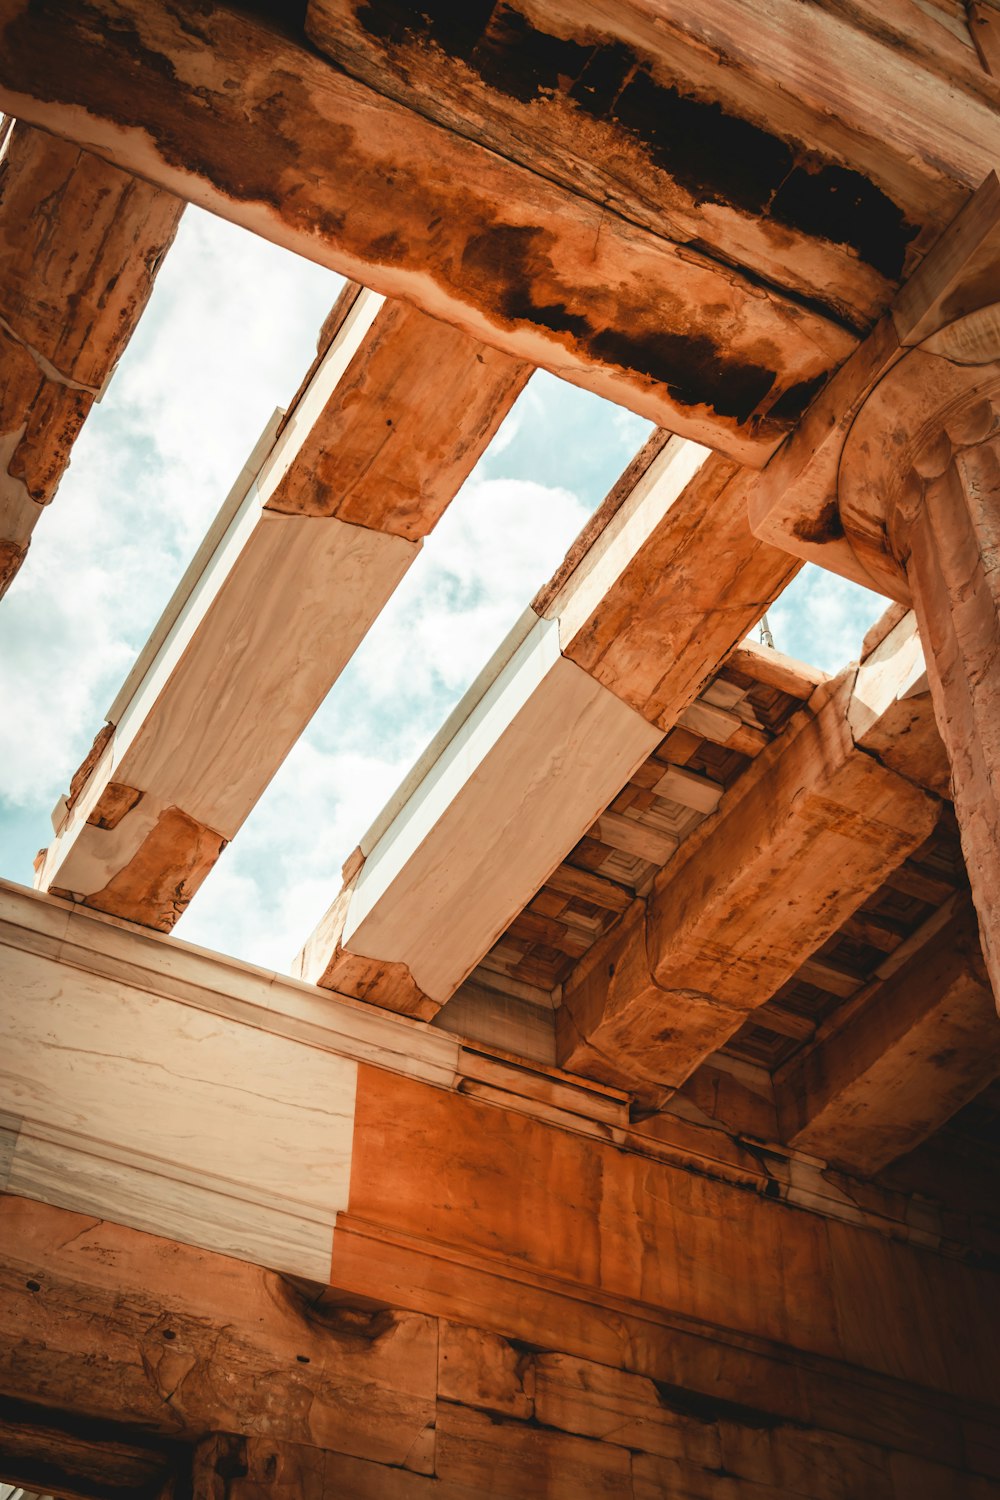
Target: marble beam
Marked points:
321	525
661	586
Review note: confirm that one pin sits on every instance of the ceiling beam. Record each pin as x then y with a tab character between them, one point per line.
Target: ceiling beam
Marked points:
321	163
122	1325
80	245
609	656
249	1385
767	161
320	527
926	1042
60	1454
811	828
222	1075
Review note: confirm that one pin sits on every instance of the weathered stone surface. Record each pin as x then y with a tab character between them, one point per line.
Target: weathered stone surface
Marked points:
108	1322
317	161
926	1043
482	1370
794	846
919	487
693	591
954	571
80	245
545	1213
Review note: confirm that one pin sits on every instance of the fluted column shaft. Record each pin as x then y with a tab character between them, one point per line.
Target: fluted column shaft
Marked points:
920	500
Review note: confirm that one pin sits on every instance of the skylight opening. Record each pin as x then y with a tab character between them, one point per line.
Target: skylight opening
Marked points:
230	327
548	469
821	618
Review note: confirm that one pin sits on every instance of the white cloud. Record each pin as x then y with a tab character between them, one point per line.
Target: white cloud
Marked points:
229	332
822	618
277	878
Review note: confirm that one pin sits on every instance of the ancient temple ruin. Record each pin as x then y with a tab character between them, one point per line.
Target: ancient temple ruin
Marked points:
629	1126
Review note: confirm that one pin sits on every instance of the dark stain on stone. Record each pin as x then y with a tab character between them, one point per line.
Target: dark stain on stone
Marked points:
522	62
715	155
793	402
713	1409
141	1462
288	16
511	259
835	203
389	248
513	262
603	77
456	25
691	368
826	527
230	1461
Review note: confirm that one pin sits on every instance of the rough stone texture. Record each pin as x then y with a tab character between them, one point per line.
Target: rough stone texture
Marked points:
80	245
919	491
324	165
954	571
157	883
926	1043
112	1323
812	827
461	1202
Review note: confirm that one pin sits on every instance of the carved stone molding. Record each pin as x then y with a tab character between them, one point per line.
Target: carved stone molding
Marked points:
940	399
919	498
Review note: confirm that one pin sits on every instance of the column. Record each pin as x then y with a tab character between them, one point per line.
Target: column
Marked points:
919	492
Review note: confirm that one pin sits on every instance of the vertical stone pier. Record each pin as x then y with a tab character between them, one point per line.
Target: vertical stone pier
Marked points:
919	493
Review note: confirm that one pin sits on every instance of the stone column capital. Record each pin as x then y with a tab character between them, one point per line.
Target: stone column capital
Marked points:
938	399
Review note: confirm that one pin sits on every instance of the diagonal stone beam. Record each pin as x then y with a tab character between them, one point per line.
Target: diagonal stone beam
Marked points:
80	245
815	825
660	588
325	165
924	1044
321	525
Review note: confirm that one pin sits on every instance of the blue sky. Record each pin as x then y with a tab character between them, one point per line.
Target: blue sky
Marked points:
229	331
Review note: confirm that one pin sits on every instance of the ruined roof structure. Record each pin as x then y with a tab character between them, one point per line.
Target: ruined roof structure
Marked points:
628	1127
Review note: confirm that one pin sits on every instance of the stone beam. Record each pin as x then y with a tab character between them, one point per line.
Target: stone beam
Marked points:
802	178
659	589
80	245
924	1044
323	522
321	163
178	1344
225	1102
126	1326
60	1454
812	827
